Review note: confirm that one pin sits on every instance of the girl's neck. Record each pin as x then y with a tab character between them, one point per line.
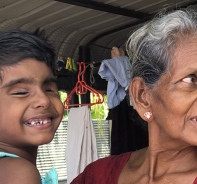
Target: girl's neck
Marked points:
29	153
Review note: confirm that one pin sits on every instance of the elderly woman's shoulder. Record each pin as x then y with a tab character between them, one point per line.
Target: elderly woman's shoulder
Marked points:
108	169
109	162
112	160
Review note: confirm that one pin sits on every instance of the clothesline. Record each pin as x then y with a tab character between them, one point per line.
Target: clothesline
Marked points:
91	62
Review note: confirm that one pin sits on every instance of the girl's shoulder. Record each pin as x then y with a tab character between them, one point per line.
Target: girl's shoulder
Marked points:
4	154
14	169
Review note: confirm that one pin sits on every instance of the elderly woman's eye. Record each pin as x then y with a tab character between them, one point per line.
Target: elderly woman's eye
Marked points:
190	79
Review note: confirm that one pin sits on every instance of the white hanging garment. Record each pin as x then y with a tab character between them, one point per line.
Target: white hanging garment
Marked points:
81	146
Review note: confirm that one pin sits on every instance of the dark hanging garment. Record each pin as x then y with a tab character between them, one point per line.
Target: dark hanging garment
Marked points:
129	130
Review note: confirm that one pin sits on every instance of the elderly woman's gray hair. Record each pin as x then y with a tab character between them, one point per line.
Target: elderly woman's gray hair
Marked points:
150	48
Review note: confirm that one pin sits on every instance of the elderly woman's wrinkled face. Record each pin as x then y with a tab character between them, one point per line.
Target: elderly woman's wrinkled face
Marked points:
174	100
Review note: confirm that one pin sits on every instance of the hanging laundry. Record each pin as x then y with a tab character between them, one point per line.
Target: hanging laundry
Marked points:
74	65
60	63
117	71
81	146
68	64
71	64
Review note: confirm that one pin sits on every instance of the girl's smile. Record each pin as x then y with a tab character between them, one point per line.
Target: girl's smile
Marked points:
31	98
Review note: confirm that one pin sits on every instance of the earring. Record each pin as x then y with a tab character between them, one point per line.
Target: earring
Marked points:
148	116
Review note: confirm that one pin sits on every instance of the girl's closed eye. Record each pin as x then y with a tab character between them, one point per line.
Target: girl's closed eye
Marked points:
19	93
51	90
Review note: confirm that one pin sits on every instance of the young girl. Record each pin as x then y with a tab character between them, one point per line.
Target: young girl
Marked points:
30	108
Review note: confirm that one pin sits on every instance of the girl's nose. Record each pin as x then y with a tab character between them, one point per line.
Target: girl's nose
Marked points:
41	100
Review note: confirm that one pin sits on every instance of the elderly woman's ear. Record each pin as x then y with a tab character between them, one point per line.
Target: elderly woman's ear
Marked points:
140	94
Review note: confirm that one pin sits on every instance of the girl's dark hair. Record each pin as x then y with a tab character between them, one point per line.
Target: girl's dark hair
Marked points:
17	45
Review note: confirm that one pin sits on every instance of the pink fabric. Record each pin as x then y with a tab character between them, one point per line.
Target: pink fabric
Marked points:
195	182
105	171
102	171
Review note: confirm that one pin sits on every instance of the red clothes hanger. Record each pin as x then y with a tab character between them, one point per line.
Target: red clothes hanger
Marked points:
81	88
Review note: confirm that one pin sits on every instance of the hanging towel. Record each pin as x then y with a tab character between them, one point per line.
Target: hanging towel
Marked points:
81	146
117	71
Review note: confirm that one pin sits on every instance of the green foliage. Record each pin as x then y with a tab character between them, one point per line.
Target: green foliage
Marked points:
99	111
63	96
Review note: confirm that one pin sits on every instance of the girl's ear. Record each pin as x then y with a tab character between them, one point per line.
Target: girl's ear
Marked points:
140	95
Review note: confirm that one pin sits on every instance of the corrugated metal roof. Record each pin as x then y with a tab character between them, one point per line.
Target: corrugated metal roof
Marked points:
73	23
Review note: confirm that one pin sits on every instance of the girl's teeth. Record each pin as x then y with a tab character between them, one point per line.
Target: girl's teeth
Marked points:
35	122
45	121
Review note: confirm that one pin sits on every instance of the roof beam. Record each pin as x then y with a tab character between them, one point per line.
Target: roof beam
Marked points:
147	18
106	8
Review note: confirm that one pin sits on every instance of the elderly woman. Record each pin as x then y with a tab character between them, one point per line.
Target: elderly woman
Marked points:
164	93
